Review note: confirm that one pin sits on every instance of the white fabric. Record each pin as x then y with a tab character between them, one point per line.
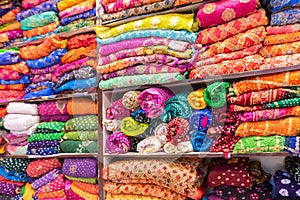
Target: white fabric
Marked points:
22	108
19	122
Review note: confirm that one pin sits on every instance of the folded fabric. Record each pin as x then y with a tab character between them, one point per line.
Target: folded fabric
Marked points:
224	143
200	142
78	9
48	108
60	118
83	123
55	194
276	30
292	145
80	167
41	30
39	93
10	16
15	139
275	6
212	14
117	111
84	15
6	74
120	5
111	124
43	151
285	185
200	120
281	61
130	127
77	84
10	35
57	184
76	54
9	57
23	80
12	87
110	196
291	165
81	135
47	70
9	189
260	144
64	4
10	95
10	27
168	21
71	146
27	4
50	127
5	8
82	23
221	32
280	49
15	164
117	143
70	193
215	94
19	122
82	73
43	144
285	17
278	80
50	60
46	6
181	35
13	176
177	131
28	131
47	178
22	108
281	39
42	136
44	49
20	67
152	100
81	191
176	106
84	180
150	145
39	20
16	150
82	106
41	78
82	40
41	167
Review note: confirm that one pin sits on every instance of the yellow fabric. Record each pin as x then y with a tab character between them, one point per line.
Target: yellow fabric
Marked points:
110	196
85	180
64	4
29	192
196	99
2	148
169	21
83	194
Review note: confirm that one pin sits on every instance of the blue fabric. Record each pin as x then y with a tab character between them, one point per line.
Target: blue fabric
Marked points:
13	175
24	80
6	9
286	17
52	59
39	20
18	197
46	6
37	37
34	86
291	145
39	93
78	84
200	120
278	5
200	142
9	58
169	34
85	15
43	151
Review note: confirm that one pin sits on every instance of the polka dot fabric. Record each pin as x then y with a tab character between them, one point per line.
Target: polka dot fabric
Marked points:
55	185
42	166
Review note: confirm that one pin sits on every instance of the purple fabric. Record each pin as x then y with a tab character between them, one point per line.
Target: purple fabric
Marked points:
45	70
214	197
41	77
285	185
117	143
152	100
9	189
46	179
80	167
117	111
59	118
42	144
13	34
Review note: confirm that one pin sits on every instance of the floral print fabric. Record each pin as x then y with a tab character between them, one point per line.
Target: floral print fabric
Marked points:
280	49
39	20
285	185
123	5
285	17
275	30
82	40
77	9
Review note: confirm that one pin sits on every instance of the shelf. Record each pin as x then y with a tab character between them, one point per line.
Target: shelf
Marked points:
61	35
210	79
60	155
94	97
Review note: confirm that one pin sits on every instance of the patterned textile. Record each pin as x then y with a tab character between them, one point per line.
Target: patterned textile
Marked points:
41	30
77	9
81	135
177	131
9	95
76	25
6	74
47	178
282	38
277	5
141	189
11	27
42	136
149	145
55	185
40	78
280	49
235	55
9	57
9	189
200	120
12	87
6	8
76	54
39	20
285	17
80	84
70	146
20	67
196	99
110	196
169	34
50	127
64	4
215	94
168	21
144	9
80	167
281	61
46	70
83	123
269	114
264	82
285	185
82	106
117	143
186	183
276	30
117	110
10	16
200	142
130	127
212	14
40	167
27	4
259	144
59	118
120	5
23	80
82	40
224	143
55	194
221	32
44	49
10	35
86	15
292	146
81	191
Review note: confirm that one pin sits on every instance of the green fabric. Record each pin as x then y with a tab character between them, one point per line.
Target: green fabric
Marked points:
41	137
81	135
215	94
55	126
15	164
83	123
76	25
259	144
284	103
13	49
39	20
85	180
132	128
72	146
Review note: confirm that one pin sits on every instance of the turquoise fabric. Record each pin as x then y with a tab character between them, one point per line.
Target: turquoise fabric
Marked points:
39	20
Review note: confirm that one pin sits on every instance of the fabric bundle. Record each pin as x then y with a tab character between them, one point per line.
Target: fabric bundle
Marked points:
234	31
131	178
154	50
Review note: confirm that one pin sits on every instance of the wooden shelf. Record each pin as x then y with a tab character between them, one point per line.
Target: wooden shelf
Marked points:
60	155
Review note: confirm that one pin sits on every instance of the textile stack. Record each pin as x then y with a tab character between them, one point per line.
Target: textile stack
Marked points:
43	59
238	178
3	132
13	177
77	72
39	19
76	14
21	122
54	111
10	29
282	43
142	179
154	50
82	133
234	31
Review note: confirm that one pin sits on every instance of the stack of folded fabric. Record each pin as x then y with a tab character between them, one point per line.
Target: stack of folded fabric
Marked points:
82	178
238	178
268	108
175	180
234	31
3	132
46	138
43	59
21	121
47	180
13	76
154	50
78	70
81	140
39	19
282	43
81	133
13	177
76	14
53	111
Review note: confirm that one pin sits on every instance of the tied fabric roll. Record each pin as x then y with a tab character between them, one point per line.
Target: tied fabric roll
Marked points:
196	99
215	94
152	100
130	127
178	129
130	100
200	120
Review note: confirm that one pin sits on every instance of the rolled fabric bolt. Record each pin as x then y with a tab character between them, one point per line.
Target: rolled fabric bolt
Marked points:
215	94
117	143
200	120
178	129
161	131
111	124
149	145
196	99
130	100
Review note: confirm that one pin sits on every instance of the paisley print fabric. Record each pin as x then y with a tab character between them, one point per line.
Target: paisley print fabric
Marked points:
285	17
123	5
275	30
